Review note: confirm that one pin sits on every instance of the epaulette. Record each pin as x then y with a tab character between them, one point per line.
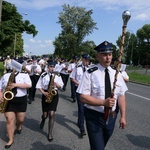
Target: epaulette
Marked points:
78	65
90	70
56	73
44	74
23	72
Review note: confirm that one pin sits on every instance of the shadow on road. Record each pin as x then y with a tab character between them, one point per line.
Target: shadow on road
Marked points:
41	146
3	130
33	125
141	141
60	119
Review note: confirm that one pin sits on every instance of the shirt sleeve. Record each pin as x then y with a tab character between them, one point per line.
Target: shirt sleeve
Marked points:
27	79
59	81
39	83
85	84
73	73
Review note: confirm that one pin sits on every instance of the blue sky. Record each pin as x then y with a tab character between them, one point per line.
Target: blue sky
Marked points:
106	13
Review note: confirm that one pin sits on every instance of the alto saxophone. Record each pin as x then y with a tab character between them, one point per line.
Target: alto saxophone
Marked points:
51	91
8	94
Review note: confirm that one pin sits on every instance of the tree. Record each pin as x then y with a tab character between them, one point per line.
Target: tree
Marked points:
129	52
12	27
143	35
76	24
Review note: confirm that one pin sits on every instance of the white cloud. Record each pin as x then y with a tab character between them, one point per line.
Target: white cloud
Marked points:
48	42
142	17
42	45
139	8
32	40
39	41
26	46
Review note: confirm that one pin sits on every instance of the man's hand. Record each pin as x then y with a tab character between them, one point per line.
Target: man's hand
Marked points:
123	123
109	102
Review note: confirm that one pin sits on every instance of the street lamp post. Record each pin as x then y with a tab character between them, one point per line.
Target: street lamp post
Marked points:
131	53
0	10
15	46
131	61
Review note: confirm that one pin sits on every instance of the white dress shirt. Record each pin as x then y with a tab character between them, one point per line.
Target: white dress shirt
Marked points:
71	66
93	84
20	78
43	81
34	68
77	73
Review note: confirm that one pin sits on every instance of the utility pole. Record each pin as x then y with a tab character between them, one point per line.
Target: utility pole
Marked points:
15	46
1	11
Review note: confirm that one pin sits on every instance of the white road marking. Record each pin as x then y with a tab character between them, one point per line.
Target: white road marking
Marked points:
139	96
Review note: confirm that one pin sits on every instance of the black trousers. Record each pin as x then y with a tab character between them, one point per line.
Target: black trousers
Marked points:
64	78
98	131
32	90
73	89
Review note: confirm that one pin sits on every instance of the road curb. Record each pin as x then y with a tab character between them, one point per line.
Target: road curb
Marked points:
140	83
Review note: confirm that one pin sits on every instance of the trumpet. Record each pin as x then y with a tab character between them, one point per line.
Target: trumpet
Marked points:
67	65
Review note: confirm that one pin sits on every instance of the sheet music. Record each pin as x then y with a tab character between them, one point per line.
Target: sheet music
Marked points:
123	67
16	65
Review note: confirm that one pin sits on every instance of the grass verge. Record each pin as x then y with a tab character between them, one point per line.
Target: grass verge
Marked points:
140	78
1	68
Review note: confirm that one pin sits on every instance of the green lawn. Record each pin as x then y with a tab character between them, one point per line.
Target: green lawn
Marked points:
1	68
138	77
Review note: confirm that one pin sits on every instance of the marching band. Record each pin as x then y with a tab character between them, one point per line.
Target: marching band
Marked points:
29	75
49	77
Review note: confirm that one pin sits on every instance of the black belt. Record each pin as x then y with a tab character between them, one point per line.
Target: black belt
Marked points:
112	113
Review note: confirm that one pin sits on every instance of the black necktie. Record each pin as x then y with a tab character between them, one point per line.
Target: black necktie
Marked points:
84	69
107	92
50	80
107	84
14	90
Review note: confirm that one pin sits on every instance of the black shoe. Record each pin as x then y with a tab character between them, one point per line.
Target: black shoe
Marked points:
19	131
82	134
74	100
50	139
64	88
29	101
42	124
8	146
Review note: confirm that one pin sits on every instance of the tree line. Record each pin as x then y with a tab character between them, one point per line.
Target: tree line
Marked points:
76	24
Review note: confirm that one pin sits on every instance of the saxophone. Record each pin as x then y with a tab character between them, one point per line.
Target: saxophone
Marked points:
8	94
51	91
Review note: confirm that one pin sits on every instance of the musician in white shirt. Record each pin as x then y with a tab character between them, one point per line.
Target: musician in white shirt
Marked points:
16	108
34	75
47	82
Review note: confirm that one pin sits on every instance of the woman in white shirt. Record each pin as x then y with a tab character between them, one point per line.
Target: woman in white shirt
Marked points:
16	108
49	79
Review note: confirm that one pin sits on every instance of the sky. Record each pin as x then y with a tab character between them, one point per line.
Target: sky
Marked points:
106	13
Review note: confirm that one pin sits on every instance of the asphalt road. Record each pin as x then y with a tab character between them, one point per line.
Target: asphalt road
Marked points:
66	134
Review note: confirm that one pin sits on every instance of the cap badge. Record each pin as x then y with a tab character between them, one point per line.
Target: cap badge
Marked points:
105	43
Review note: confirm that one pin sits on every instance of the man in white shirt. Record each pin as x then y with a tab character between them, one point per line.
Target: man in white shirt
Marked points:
100	105
76	76
7	64
34	75
72	84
